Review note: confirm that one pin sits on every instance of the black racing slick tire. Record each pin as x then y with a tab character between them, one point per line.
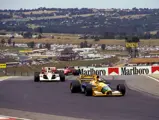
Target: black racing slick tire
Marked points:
88	90
76	72
75	86
36	77
121	88
62	77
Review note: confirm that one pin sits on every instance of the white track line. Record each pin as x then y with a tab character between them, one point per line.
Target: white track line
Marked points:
152	78
12	117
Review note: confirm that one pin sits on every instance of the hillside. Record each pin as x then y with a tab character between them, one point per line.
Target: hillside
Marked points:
81	21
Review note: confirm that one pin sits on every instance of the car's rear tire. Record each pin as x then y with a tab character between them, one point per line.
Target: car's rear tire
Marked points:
76	72
88	90
36	77
62	77
75	86
121	88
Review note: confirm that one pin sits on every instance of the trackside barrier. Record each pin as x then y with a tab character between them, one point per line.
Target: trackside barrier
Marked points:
15	73
104	71
135	70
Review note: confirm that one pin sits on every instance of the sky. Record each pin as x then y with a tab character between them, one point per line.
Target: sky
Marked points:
29	4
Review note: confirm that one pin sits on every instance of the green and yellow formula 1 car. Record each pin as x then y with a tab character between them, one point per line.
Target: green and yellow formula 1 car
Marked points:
93	86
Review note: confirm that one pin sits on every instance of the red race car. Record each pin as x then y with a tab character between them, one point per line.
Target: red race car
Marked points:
70	70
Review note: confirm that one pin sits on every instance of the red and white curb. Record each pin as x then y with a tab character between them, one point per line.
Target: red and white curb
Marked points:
11	118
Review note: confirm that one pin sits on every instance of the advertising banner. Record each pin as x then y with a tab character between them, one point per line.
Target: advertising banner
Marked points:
3	65
25	51
135	70
131	45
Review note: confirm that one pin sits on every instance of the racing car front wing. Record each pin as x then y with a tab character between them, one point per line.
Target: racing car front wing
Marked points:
114	93
49	77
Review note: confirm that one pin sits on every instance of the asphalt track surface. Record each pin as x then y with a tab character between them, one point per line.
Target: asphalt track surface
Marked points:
55	98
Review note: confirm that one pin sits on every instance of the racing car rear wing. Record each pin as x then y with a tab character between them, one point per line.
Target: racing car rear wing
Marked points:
85	78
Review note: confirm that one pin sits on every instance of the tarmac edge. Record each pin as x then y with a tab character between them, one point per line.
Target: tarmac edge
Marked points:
140	90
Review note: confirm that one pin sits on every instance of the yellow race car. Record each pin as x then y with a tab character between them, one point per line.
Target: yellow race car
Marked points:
94	86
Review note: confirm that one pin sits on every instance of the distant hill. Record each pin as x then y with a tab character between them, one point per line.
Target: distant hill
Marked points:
81	21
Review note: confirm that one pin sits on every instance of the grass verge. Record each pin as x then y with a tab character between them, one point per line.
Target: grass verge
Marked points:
75	40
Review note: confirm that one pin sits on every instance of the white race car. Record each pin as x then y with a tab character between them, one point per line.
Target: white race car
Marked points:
49	74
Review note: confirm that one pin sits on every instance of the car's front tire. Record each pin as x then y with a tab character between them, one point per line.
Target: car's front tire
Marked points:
121	88
62	77
76	72
88	90
36	77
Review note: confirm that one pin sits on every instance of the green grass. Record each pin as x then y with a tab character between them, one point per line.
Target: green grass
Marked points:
13	49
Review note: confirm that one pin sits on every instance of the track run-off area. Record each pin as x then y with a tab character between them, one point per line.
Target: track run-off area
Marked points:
22	97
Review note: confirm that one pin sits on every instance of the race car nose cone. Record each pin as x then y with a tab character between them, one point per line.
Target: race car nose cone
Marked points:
49	75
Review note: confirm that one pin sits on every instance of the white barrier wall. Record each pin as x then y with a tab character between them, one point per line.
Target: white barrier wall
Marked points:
135	70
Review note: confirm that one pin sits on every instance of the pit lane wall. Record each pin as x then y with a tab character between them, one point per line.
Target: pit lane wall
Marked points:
135	70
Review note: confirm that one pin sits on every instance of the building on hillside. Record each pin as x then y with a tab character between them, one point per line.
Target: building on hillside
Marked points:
68	55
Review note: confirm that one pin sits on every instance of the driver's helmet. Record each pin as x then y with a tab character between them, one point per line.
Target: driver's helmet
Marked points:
97	78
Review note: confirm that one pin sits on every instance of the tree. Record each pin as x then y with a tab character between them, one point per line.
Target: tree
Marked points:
90	45
40	46
13	44
39	36
52	36
9	41
3	41
85	37
135	39
81	45
126	39
103	46
27	35
85	44
147	35
157	34
96	39
48	46
31	44
40	30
